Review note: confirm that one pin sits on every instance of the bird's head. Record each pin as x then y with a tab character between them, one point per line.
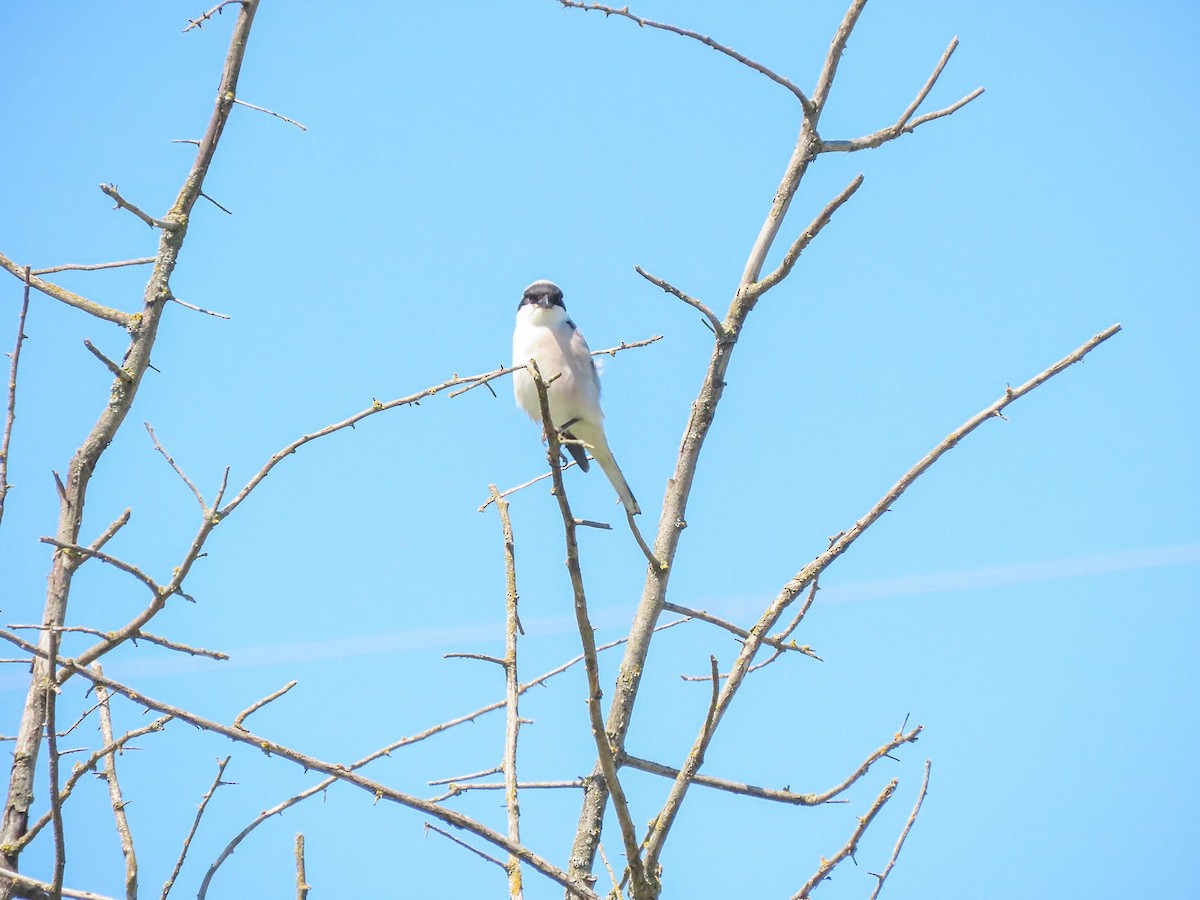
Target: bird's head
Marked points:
542	294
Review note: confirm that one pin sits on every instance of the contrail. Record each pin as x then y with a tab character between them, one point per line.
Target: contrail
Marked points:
1013	573
454	637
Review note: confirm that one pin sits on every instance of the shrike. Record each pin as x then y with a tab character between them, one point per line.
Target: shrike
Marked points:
545	333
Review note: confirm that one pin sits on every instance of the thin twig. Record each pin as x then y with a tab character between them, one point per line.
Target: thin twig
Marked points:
828	865
479	657
708	617
118	373
259	704
111	191
187	841
520	487
429	826
906	124
912	817
171	462
114	792
227	212
484	380
482	773
11	414
707	41
199	309
88	765
139	636
53	760
110	532
714	320
465	382
806	237
94	267
457	789
324	784
216	10
732	787
89	553
269	112
339	771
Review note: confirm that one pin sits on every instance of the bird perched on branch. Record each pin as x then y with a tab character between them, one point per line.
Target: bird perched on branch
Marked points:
545	333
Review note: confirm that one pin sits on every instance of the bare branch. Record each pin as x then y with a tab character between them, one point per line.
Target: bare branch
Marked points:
512	693
520	487
178	471
68	297
88	765
903	125
94	267
259	704
321	786
724	784
199	309
457	789
40	890
429	826
216	10
114	792
111	191
703	616
87	553
302	885
11	414
340	772
912	817
834	56
696	36
269	112
798	246
605	750
118	373
53	760
110	532
478	657
714	321
187	841
486	378
143	329
482	773
877	138
138	636
847	849
809	573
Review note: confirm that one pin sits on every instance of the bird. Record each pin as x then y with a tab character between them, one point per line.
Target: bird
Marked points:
546	334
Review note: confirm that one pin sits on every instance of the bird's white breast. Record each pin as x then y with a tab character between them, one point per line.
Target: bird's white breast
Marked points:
548	336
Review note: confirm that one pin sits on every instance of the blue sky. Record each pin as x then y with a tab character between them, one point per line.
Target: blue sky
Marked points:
1030	601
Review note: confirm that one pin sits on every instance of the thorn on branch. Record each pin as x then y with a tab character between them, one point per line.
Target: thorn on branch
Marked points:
215	11
216	204
263	109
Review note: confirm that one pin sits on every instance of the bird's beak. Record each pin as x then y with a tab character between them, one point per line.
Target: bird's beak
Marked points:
544	302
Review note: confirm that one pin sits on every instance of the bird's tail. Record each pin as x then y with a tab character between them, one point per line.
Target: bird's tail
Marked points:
613	471
596	440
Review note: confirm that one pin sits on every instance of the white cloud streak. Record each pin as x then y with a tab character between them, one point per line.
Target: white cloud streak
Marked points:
455	637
